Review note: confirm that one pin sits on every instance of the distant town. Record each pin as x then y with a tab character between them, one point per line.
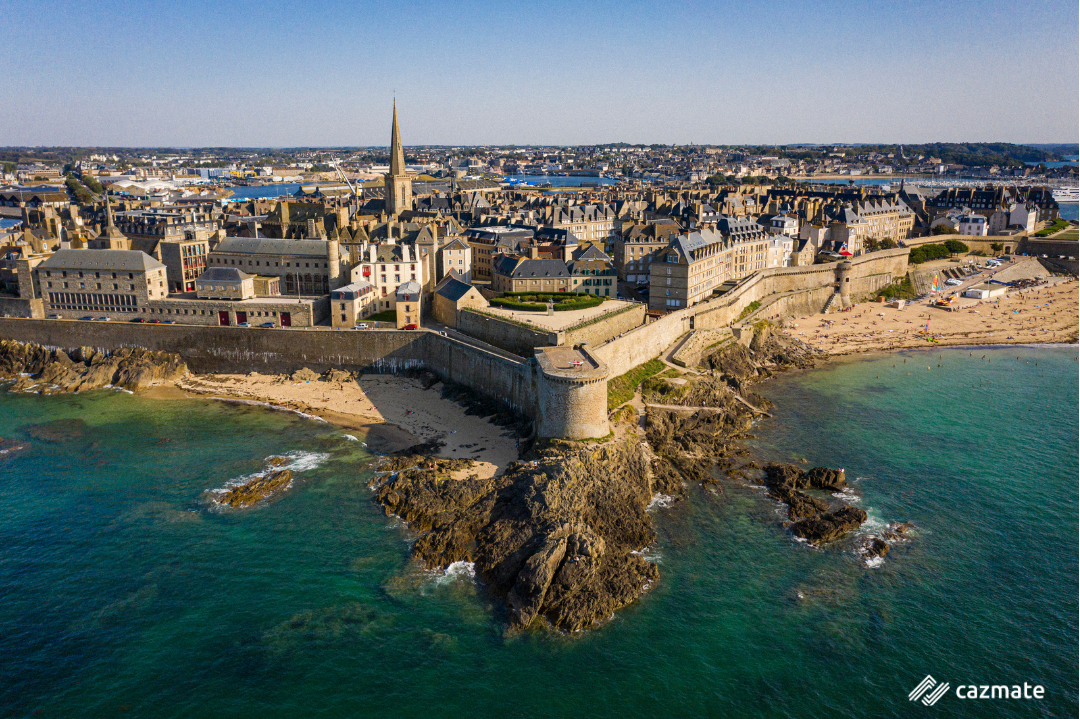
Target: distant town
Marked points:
365	239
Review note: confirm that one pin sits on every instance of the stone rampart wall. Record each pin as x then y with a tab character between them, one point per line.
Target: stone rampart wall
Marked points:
239	349
19	307
605	327
505	335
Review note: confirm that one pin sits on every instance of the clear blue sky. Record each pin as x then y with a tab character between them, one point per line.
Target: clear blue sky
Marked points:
324	73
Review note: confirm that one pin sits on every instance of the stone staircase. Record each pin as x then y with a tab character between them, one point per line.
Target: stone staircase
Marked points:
832	304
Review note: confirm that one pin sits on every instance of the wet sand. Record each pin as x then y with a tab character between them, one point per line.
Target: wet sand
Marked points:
391	413
1045	314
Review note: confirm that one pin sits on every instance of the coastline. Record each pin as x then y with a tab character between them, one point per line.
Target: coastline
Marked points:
392	413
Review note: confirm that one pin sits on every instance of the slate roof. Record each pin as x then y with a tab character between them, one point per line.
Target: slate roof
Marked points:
452	288
222	274
270	246
101	260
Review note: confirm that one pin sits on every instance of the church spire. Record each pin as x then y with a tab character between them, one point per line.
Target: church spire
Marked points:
397	155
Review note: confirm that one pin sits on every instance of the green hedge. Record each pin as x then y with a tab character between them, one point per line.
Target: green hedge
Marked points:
537	301
510	304
1059	224
925	253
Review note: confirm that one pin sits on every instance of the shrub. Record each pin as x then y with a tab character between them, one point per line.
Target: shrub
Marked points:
942	230
902	290
956	246
925	253
749	310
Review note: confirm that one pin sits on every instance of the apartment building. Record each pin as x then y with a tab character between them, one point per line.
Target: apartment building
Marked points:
635	245
387	266
351	304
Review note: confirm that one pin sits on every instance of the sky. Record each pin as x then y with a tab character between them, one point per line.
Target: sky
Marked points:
287	74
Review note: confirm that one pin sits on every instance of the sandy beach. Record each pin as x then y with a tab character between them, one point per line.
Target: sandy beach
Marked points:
390	413
1040	315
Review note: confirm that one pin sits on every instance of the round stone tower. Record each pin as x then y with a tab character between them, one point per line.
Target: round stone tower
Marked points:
843	277
571	393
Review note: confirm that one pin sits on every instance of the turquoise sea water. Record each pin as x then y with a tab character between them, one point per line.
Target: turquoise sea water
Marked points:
123	594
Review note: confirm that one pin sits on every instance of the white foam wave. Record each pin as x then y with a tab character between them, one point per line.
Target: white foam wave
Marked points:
268	405
875	562
457	570
663	501
847	494
350	438
299	461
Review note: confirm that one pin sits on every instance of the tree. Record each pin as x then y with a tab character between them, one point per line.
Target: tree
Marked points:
942	230
871	245
956	247
888	244
92	182
997	246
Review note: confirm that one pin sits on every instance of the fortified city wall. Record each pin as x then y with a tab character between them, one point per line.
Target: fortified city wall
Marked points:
517	383
806	285
566	400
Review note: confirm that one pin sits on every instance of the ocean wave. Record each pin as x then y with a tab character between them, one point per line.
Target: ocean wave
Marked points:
663	501
848	494
649	554
457	570
299	461
875	562
350	438
268	405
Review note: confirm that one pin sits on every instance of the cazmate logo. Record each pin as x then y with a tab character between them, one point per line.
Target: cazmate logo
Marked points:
930	690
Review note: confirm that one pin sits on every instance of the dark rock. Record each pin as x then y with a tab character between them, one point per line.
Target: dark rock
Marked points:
86	368
824	478
554	536
829	526
257	489
876	547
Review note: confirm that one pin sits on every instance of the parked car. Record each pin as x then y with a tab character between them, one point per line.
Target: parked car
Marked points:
103	319
410	327
153	322
168	322
362	326
137	319
88	318
243	324
56	317
266	325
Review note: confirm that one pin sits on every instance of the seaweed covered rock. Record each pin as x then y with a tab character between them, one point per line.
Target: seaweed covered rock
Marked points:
257	489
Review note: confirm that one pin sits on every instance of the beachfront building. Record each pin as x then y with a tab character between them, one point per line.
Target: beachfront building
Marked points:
688	270
408	305
117	284
351	304
225	283
451	296
305	267
387	266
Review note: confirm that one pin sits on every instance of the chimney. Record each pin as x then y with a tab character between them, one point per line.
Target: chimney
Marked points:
534	252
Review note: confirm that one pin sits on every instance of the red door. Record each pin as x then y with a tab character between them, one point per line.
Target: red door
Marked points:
241	317
223	319
286	319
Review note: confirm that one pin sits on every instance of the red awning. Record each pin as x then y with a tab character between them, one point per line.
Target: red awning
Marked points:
846	254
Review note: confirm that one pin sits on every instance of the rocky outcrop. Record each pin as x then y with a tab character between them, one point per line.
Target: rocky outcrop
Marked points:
50	371
256	490
813	520
556	536
829	526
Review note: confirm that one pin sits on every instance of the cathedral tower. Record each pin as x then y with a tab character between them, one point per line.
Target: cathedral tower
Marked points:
398	187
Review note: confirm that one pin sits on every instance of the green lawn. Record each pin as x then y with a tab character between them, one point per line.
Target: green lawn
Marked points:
384	316
621	389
